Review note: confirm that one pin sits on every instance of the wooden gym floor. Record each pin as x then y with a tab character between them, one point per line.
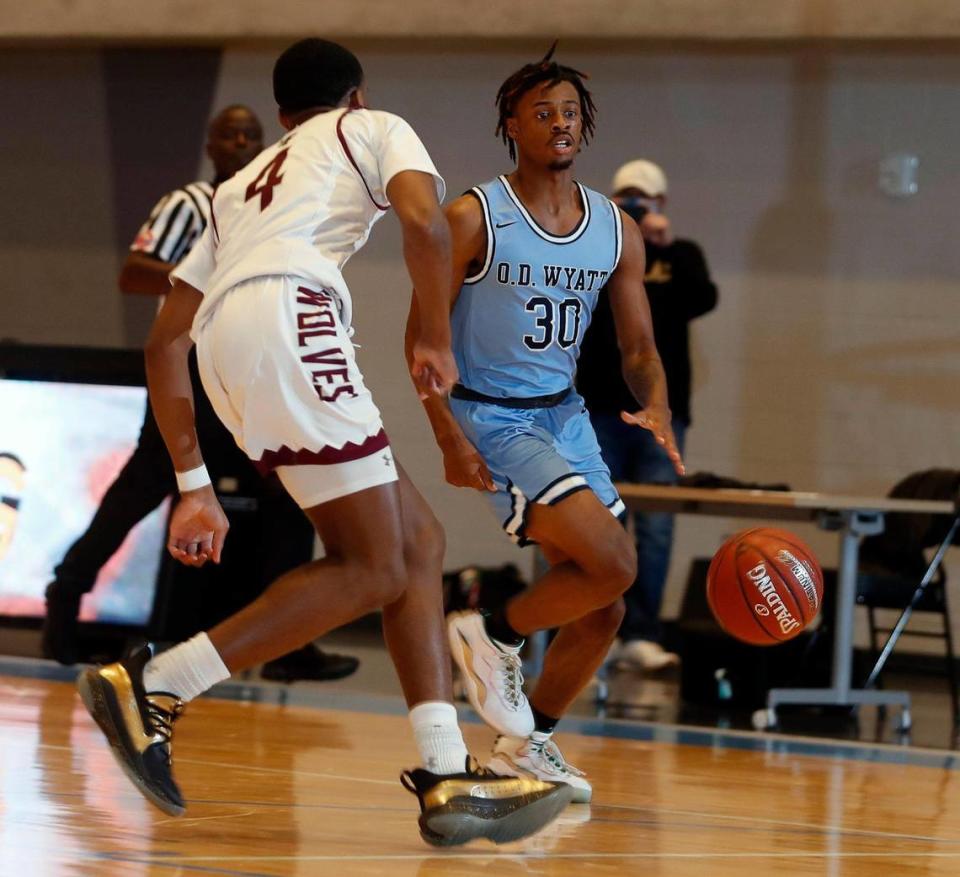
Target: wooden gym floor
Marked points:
282	790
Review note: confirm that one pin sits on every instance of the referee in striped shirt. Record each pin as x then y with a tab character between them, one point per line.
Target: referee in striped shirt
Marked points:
167	236
234	138
175	224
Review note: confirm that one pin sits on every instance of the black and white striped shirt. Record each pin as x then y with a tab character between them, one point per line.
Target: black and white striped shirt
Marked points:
175	223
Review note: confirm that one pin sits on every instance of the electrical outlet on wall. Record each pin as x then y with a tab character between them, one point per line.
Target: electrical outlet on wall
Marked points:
898	175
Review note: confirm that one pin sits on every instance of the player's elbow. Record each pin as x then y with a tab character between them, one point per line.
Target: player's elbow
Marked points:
426	226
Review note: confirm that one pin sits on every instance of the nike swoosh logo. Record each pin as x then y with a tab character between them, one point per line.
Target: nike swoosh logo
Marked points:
505	224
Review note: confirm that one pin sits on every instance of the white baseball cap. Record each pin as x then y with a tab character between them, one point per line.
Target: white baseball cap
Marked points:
643	175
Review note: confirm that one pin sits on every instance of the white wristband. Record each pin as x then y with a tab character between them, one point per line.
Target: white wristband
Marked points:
193	479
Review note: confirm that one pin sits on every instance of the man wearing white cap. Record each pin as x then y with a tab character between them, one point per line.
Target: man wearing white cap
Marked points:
679	290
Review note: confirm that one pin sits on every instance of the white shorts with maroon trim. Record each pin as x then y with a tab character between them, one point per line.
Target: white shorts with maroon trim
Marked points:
314	485
280	372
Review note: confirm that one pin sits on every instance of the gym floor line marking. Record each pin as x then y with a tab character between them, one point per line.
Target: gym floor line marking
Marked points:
252	768
825	829
809	826
197	869
536	854
654	812
189	819
280	805
291	772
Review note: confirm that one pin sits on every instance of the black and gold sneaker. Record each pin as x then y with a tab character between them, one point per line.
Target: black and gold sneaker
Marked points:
138	726
456	808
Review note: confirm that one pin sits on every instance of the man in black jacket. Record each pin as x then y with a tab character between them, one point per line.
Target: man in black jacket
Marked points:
679	290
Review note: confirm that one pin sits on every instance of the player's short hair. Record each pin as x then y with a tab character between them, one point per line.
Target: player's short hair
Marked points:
531	75
314	73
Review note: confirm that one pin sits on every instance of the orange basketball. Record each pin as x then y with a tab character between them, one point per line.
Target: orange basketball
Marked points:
764	586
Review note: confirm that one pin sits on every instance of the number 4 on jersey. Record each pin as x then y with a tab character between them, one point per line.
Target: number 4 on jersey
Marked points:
267	179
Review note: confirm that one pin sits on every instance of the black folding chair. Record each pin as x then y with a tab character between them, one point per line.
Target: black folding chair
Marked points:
897	555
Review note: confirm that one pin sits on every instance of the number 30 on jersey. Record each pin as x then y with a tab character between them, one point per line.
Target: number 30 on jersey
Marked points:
556	322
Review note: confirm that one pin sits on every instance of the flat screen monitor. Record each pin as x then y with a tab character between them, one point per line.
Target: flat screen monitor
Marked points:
61	446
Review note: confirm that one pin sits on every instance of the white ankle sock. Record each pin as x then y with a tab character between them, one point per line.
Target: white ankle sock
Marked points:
186	670
438	737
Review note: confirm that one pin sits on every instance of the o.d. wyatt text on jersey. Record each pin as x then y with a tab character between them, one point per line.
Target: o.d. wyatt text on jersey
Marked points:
519	320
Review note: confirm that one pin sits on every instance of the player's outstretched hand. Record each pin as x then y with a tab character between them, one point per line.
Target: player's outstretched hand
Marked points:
198	527
464	467
658	422
433	369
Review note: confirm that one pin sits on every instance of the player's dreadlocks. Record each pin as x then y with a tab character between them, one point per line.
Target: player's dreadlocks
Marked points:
530	75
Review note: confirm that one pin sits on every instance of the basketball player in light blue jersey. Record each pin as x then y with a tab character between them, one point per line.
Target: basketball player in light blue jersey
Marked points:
533	252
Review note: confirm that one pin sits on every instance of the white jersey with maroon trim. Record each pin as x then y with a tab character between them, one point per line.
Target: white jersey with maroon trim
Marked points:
304	205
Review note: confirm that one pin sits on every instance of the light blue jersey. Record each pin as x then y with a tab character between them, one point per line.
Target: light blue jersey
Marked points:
517	328
518	322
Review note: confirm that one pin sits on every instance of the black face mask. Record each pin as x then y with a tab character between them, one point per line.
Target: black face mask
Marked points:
635	209
638	206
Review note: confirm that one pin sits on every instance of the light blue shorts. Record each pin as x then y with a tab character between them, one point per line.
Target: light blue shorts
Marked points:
537	455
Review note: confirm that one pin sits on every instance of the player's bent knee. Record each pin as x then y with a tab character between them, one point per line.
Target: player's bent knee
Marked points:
384	580
616	569
388	589
626	569
613	615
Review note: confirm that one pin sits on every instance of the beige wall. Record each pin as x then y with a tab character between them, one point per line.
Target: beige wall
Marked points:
225	20
833	360
56	213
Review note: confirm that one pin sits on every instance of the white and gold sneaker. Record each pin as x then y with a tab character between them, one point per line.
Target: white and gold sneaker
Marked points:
492	675
538	756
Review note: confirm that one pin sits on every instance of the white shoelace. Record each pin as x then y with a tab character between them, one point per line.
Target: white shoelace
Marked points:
549	754
512	671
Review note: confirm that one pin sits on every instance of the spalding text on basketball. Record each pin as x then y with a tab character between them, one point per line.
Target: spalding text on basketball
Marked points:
761	578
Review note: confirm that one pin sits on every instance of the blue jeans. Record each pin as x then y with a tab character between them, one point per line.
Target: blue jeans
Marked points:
633	455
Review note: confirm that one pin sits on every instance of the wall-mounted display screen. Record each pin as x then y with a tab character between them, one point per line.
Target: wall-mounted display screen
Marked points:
61	446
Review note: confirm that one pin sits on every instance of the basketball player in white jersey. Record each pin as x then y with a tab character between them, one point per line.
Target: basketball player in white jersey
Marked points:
263	297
